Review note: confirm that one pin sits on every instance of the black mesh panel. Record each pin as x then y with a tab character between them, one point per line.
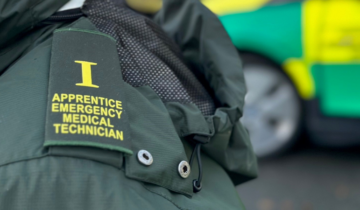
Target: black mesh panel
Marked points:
147	56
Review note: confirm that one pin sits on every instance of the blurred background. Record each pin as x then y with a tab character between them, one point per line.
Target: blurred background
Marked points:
302	68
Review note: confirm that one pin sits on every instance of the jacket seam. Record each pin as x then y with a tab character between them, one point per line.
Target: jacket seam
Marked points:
72	171
129	173
24	159
159	194
52	155
42	156
85	31
49	143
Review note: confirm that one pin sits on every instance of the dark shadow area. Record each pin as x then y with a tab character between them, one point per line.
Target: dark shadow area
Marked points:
307	178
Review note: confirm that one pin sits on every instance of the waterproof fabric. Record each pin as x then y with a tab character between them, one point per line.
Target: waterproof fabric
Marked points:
206	47
89	177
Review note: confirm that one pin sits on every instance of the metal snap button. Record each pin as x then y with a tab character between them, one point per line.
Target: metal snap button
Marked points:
184	169
145	157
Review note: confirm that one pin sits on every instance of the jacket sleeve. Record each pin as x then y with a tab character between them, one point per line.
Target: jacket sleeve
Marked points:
19	16
208	49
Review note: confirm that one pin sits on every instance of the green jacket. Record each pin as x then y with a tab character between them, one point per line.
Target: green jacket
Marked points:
47	167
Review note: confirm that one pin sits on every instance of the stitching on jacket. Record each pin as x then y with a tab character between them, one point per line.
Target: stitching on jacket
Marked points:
71	171
129	171
24	159
165	198
86	143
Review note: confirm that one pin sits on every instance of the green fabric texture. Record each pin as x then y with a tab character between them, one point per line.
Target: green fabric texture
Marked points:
110	157
18	17
152	130
188	119
23	99
207	47
88	144
19	48
19	27
216	184
59	183
83	177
